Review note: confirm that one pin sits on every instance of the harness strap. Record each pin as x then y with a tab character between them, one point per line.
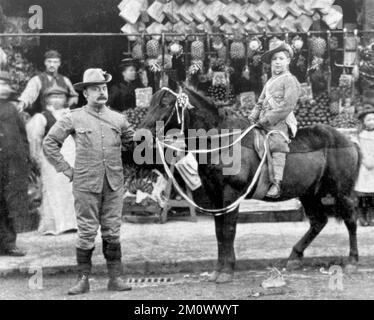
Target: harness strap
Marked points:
224	147
236	203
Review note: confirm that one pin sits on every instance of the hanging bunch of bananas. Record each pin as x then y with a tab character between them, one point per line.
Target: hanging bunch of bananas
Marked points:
139	179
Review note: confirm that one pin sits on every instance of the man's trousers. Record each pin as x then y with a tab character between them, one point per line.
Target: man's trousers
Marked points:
98	209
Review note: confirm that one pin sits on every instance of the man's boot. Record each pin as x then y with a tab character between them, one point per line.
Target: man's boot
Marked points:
112	254
279	162
84	271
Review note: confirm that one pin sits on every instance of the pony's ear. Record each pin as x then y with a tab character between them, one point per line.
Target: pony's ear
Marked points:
158	98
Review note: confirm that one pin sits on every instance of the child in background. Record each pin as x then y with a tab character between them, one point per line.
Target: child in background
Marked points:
365	183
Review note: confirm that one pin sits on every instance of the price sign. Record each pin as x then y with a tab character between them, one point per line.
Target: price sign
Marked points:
248	99
306	92
143	97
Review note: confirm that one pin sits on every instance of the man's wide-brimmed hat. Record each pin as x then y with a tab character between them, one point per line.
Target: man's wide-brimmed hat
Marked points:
368	108
93	77
274	47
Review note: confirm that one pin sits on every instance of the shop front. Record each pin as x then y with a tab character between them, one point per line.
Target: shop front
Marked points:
214	46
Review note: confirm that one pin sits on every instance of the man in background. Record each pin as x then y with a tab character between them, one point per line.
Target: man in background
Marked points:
14	169
31	98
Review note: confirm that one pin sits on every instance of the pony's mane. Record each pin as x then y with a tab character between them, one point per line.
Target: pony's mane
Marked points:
198	99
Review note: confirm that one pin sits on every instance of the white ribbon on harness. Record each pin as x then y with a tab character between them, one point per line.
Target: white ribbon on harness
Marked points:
182	101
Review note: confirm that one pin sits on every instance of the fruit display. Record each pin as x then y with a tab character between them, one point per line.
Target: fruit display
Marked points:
315	111
144	187
153	51
221	93
20	70
197	50
317	46
139	179
344	120
197	56
366	67
297	43
135	116
237	50
254	46
137	51
242	111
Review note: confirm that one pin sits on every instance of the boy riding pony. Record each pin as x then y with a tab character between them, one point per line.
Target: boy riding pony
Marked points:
274	110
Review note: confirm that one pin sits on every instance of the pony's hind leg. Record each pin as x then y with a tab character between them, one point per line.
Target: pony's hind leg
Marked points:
346	211
317	219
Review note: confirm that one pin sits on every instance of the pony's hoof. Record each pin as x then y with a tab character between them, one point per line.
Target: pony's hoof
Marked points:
213	276
294	265
225	278
350	268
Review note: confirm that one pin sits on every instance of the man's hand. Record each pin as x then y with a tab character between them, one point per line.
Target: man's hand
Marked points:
69	173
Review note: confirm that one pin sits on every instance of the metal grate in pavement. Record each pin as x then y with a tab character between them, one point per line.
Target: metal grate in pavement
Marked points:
146	282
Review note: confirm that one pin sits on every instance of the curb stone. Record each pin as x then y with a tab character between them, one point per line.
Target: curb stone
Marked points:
190	266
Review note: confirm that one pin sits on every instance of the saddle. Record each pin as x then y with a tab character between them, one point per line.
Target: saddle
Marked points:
308	139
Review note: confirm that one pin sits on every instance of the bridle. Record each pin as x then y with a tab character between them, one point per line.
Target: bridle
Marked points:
182	102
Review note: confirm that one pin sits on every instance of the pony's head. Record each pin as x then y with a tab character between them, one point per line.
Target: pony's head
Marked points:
162	108
200	112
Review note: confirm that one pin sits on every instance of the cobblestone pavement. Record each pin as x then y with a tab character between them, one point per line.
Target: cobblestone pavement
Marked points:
308	284
188	246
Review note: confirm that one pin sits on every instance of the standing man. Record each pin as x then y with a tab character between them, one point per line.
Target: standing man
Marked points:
31	98
14	169
122	96
97	176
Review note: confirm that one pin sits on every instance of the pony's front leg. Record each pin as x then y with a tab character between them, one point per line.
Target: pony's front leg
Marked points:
229	232
228	221
220	244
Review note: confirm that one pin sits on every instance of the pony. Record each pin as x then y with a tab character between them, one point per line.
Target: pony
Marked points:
321	161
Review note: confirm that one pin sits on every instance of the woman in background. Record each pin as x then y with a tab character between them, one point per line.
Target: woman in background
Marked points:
122	95
57	208
365	182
